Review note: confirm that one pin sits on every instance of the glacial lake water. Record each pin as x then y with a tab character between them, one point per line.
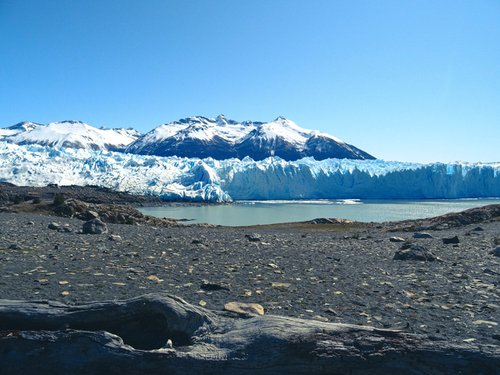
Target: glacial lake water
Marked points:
244	213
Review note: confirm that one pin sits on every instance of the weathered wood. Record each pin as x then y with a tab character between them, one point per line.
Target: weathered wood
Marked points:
131	337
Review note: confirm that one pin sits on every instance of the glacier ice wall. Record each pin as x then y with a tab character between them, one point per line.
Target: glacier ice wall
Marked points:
233	179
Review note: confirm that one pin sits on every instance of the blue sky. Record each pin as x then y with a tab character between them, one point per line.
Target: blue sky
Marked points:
404	80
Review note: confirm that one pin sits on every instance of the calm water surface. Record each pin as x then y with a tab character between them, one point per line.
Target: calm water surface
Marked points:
269	212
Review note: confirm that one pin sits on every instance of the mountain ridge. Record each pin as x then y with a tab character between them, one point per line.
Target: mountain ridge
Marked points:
198	136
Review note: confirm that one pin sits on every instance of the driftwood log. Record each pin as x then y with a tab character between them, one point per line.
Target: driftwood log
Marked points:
162	334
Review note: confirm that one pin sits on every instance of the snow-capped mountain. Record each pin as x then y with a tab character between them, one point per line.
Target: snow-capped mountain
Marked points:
70	134
17	128
232	179
221	138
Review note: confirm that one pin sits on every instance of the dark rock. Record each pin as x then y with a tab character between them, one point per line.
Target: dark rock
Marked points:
94	226
254	237
89	215
414	252
213	287
54	226
422	235
489	271
496	251
14	246
198	242
451	240
478	229
64	210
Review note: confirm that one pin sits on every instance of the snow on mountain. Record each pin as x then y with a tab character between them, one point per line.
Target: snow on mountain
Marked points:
73	134
232	179
18	128
221	138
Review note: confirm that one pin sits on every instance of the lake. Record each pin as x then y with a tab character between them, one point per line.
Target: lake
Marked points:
244	213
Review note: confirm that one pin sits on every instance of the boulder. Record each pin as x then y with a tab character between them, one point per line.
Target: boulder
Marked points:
496	251
451	240
414	252
94	226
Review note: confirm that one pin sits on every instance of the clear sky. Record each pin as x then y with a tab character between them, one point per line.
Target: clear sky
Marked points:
414	80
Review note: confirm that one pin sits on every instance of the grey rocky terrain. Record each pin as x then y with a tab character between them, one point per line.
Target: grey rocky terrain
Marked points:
331	271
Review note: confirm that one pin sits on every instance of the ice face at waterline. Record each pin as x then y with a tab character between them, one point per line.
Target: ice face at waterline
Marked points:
233	179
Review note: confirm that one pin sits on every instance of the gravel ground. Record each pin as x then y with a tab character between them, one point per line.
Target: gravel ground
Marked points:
342	274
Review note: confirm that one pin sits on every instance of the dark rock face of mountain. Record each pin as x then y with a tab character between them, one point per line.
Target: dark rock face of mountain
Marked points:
220	138
322	148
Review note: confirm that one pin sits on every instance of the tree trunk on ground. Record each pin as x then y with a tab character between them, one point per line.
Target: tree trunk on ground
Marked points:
134	336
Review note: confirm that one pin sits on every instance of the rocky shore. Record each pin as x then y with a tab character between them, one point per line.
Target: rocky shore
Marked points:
438	277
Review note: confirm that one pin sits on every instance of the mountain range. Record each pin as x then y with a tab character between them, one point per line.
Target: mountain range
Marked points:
201	137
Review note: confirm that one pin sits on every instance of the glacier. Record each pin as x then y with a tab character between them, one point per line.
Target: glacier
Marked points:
210	180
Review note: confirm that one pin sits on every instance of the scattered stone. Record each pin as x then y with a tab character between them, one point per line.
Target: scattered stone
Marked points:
169	344
198	242
94	226
397	239
13	246
64	293
486	322
422	235
213	287
63	282
30	223
202	303
451	240
414	252
114	237
54	226
478	229
279	285
244	308
154	278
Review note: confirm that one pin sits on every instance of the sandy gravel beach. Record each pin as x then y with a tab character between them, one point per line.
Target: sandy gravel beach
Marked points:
332	272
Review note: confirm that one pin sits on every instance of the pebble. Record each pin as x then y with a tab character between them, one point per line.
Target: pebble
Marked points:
154	278
397	239
279	285
54	226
